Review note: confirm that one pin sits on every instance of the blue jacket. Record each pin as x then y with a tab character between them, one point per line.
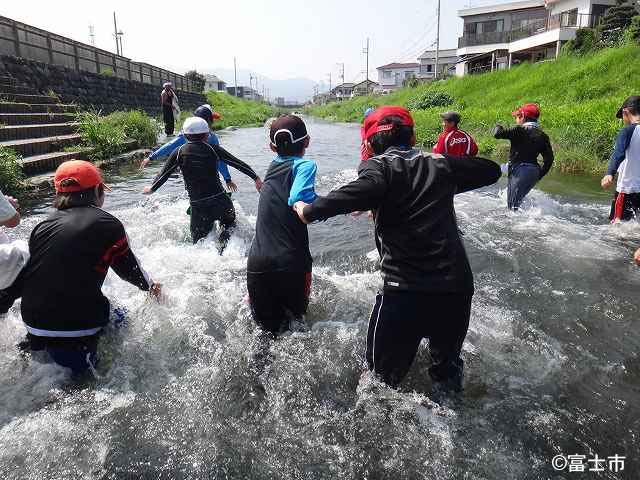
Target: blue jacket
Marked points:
620	150
169	147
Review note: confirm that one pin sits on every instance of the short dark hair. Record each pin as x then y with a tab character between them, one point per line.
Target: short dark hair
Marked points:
288	149
633	110
83	198
202	137
399	136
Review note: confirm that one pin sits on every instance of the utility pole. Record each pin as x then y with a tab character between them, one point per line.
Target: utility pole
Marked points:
251	86
366	52
330	85
341	65
92	36
235	76
115	33
438	43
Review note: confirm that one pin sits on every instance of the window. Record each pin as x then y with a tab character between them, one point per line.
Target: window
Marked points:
387	74
409	74
429	68
490	26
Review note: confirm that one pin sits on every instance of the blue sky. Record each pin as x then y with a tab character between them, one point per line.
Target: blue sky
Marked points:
277	38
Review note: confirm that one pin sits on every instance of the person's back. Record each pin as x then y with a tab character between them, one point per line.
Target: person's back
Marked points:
199	165
71	253
454	141
281	241
528	142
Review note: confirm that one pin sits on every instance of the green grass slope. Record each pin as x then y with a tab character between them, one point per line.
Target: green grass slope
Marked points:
238	112
579	97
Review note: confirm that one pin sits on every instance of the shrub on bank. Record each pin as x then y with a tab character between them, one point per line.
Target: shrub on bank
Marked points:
11	175
106	136
238	112
579	97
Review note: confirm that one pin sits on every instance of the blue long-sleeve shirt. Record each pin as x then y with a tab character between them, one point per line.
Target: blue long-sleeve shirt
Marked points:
169	147
623	141
304	179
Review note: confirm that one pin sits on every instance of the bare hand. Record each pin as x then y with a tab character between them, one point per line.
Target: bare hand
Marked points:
144	163
14	202
259	184
156	291
147	191
637	257
298	207
607	181
232	186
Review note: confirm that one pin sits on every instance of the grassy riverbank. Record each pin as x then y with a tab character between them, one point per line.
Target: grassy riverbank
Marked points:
579	97
237	112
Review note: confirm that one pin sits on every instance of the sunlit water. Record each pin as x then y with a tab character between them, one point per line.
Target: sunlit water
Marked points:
191	390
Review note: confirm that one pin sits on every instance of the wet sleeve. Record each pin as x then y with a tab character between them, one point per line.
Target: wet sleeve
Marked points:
234	162
304	181
439	148
623	140
168	148
469	173
119	257
504	133
170	166
547	158
364	193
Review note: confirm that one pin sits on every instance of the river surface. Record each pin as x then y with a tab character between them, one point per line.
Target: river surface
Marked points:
191	390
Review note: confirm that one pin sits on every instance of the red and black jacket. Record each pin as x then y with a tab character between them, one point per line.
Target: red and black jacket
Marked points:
71	253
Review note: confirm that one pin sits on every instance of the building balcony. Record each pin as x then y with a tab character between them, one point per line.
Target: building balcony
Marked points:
569	20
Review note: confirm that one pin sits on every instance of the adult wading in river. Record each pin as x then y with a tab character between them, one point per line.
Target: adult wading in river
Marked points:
170	107
207	113
63	306
198	162
528	142
428	284
625	161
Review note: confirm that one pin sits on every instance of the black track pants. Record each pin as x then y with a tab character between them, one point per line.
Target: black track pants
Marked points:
400	320
169	122
277	297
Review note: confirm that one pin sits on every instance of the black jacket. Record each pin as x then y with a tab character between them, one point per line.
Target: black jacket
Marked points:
198	162
281	242
417	236
71	253
527	143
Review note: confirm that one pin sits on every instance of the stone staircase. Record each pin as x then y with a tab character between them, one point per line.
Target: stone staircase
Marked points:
36	126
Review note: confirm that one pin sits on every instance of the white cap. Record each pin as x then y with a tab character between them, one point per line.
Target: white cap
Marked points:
195	126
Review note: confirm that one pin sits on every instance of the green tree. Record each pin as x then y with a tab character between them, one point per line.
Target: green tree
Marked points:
616	20
197	78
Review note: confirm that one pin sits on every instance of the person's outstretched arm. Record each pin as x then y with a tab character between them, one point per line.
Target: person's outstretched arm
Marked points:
470	173
505	133
170	166
364	193
547	158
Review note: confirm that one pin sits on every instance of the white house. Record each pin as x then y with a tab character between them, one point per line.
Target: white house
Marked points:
213	83
499	36
391	76
447	60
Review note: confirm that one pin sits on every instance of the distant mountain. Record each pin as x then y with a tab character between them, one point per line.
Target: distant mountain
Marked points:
292	89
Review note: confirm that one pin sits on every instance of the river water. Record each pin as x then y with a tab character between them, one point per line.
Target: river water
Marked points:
185	392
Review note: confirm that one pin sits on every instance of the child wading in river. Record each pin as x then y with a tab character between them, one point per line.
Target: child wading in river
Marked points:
279	264
625	161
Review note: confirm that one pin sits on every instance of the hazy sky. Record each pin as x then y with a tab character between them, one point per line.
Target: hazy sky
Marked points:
277	38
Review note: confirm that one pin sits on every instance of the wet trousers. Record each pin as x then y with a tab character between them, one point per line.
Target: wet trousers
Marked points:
522	178
277	298
400	320
625	207
169	122
204	214
79	354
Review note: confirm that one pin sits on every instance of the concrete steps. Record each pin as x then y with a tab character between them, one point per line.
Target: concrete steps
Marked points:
47	162
25	98
22	132
11	107
39	146
16	89
35	118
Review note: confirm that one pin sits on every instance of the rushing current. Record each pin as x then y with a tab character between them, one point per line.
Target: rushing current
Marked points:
190	389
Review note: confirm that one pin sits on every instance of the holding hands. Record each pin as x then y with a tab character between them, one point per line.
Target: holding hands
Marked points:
298	207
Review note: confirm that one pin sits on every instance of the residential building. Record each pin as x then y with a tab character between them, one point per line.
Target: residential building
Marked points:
447	60
344	91
364	88
280	101
214	84
392	76
499	36
247	93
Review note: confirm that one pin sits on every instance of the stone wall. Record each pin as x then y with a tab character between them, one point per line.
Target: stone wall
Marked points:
91	90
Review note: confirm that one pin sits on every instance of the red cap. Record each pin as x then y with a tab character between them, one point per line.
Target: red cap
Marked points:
529	110
85	174
371	126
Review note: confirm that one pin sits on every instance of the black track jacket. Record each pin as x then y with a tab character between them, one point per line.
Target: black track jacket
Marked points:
417	236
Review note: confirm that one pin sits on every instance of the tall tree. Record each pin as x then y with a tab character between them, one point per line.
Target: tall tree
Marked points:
197	78
616	20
